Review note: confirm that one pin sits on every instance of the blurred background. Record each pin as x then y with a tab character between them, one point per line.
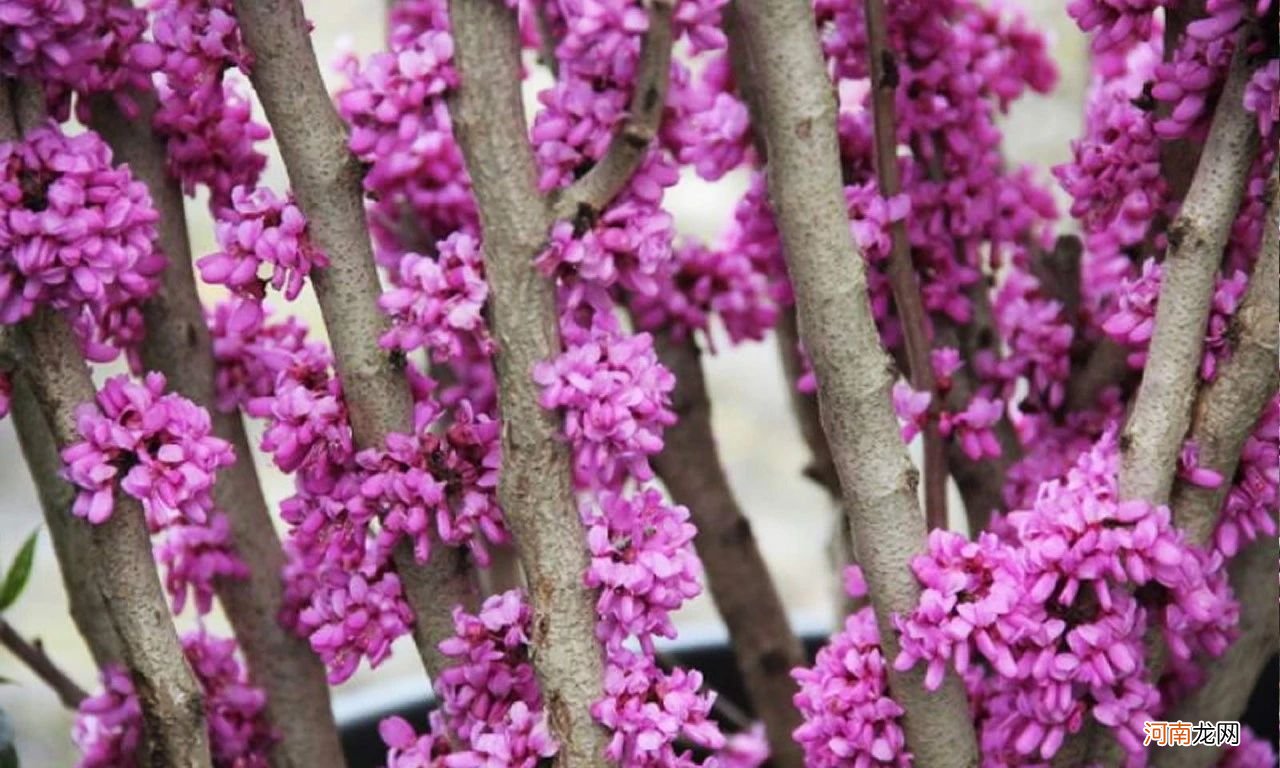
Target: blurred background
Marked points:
759	441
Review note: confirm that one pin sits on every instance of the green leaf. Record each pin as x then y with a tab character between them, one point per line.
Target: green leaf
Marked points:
19	572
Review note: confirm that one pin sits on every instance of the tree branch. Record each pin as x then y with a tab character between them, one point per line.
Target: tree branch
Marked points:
326	178
33	655
71	543
1228	407
592	193
1153	436
901	271
1233	676
134	601
763	643
854	375
535	485
178	345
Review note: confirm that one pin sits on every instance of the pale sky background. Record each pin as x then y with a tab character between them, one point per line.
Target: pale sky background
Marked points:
759	442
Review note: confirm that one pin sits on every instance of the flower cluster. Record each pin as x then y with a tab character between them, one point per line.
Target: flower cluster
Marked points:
261	230
438	303
76	234
615	397
158	448
203	116
1250	509
400	125
249	351
442	482
490	700
643	563
1058	612
83	46
108	727
849	718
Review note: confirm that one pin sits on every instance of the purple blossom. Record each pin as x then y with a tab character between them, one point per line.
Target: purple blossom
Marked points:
849	718
438	303
642	562
616	400
76	233
649	709
108	726
261	230
250	351
159	448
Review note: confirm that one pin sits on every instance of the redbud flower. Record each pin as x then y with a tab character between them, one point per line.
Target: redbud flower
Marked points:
616	399
108	726
849	718
438	303
643	563
77	233
158	446
260	229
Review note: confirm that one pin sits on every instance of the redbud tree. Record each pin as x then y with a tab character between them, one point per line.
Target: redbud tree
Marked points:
511	375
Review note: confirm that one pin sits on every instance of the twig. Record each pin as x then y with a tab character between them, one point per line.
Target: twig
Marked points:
1228	407
902	277
853	372
589	195
33	655
326	179
763	642
178	345
172	704
1153	436
535	485
1232	677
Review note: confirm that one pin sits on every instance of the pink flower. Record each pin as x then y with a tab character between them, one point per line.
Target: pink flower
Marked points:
260	229
158	447
615	396
439	303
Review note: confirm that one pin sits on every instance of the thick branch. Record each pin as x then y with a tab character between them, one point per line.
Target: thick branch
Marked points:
178	345
326	179
902	276
535	486
134	601
1154	433
854	375
130	590
1233	676
764	645
33	655
592	193
1228	407
71	541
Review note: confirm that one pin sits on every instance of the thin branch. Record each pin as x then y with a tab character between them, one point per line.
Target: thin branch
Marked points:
591	194
763	642
901	272
853	372
1153	436
172	703
1228	407
535	485
33	655
981	483
1232	677
1106	366
326	178
178	345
